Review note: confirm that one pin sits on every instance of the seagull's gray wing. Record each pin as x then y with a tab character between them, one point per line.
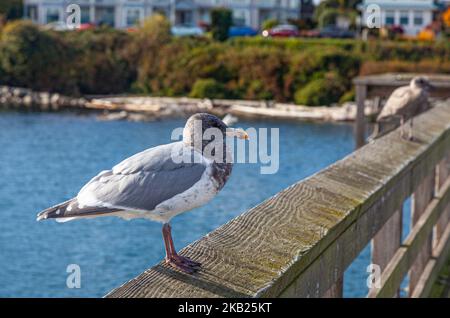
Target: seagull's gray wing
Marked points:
144	180
140	182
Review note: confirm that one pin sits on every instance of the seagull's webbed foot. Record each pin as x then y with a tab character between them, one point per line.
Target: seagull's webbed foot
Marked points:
172	258
183	263
188	261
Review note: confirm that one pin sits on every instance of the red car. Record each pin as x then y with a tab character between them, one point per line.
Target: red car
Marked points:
86	26
283	30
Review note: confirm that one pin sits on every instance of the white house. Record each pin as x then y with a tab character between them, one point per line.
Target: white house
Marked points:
412	15
125	13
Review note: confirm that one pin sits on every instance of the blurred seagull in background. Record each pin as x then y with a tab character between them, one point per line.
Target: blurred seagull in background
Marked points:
406	102
158	183
230	120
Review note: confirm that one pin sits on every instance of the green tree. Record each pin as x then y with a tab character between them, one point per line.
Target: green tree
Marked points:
321	91
348	7
147	45
101	65
11	9
208	88
30	57
221	21
155	30
328	17
269	24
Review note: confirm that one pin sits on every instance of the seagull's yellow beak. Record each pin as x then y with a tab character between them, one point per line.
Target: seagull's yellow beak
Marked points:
237	132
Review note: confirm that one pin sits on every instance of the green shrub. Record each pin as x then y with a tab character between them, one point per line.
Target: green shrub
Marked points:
208	88
347	97
314	64
269	24
102	64
258	72
412	51
11	9
221	21
154	30
37	59
328	17
424	66
322	91
150	61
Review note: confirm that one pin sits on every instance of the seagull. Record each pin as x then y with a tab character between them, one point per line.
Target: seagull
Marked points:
230	120
159	183
406	102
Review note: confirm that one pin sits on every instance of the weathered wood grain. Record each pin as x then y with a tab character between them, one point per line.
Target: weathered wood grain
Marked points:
335	291
407	254
442	173
421	198
299	242
360	123
387	241
431	271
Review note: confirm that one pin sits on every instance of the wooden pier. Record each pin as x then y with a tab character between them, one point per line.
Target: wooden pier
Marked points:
381	86
300	242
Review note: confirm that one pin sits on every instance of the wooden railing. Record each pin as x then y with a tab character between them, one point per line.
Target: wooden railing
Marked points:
299	242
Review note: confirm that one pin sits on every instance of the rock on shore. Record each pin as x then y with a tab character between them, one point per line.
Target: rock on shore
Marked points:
23	98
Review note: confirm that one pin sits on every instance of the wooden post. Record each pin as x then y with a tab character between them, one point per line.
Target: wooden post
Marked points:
387	241
360	125
442	173
335	291
421	197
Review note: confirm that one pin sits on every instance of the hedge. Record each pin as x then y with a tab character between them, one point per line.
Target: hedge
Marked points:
150	61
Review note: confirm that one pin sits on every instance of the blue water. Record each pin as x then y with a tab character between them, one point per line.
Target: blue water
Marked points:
46	158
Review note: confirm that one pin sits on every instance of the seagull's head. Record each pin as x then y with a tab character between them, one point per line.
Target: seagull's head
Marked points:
206	128
421	82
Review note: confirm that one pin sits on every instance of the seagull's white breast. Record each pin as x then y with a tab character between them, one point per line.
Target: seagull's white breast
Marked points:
199	194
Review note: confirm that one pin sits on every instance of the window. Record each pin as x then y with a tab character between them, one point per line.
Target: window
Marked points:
133	16
105	15
184	17
52	15
418	18
85	15
404	17
389	18
31	12
204	16
239	17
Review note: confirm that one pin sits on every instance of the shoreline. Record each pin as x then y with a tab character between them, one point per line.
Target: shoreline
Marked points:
146	108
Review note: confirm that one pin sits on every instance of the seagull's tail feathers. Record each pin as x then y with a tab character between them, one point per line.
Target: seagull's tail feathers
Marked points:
69	210
53	212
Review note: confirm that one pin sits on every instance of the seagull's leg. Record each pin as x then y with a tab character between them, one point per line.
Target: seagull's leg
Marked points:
402	126
172	258
410	136
174	253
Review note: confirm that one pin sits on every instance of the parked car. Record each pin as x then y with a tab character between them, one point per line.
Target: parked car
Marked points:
309	33
86	26
186	30
241	31
282	30
334	32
